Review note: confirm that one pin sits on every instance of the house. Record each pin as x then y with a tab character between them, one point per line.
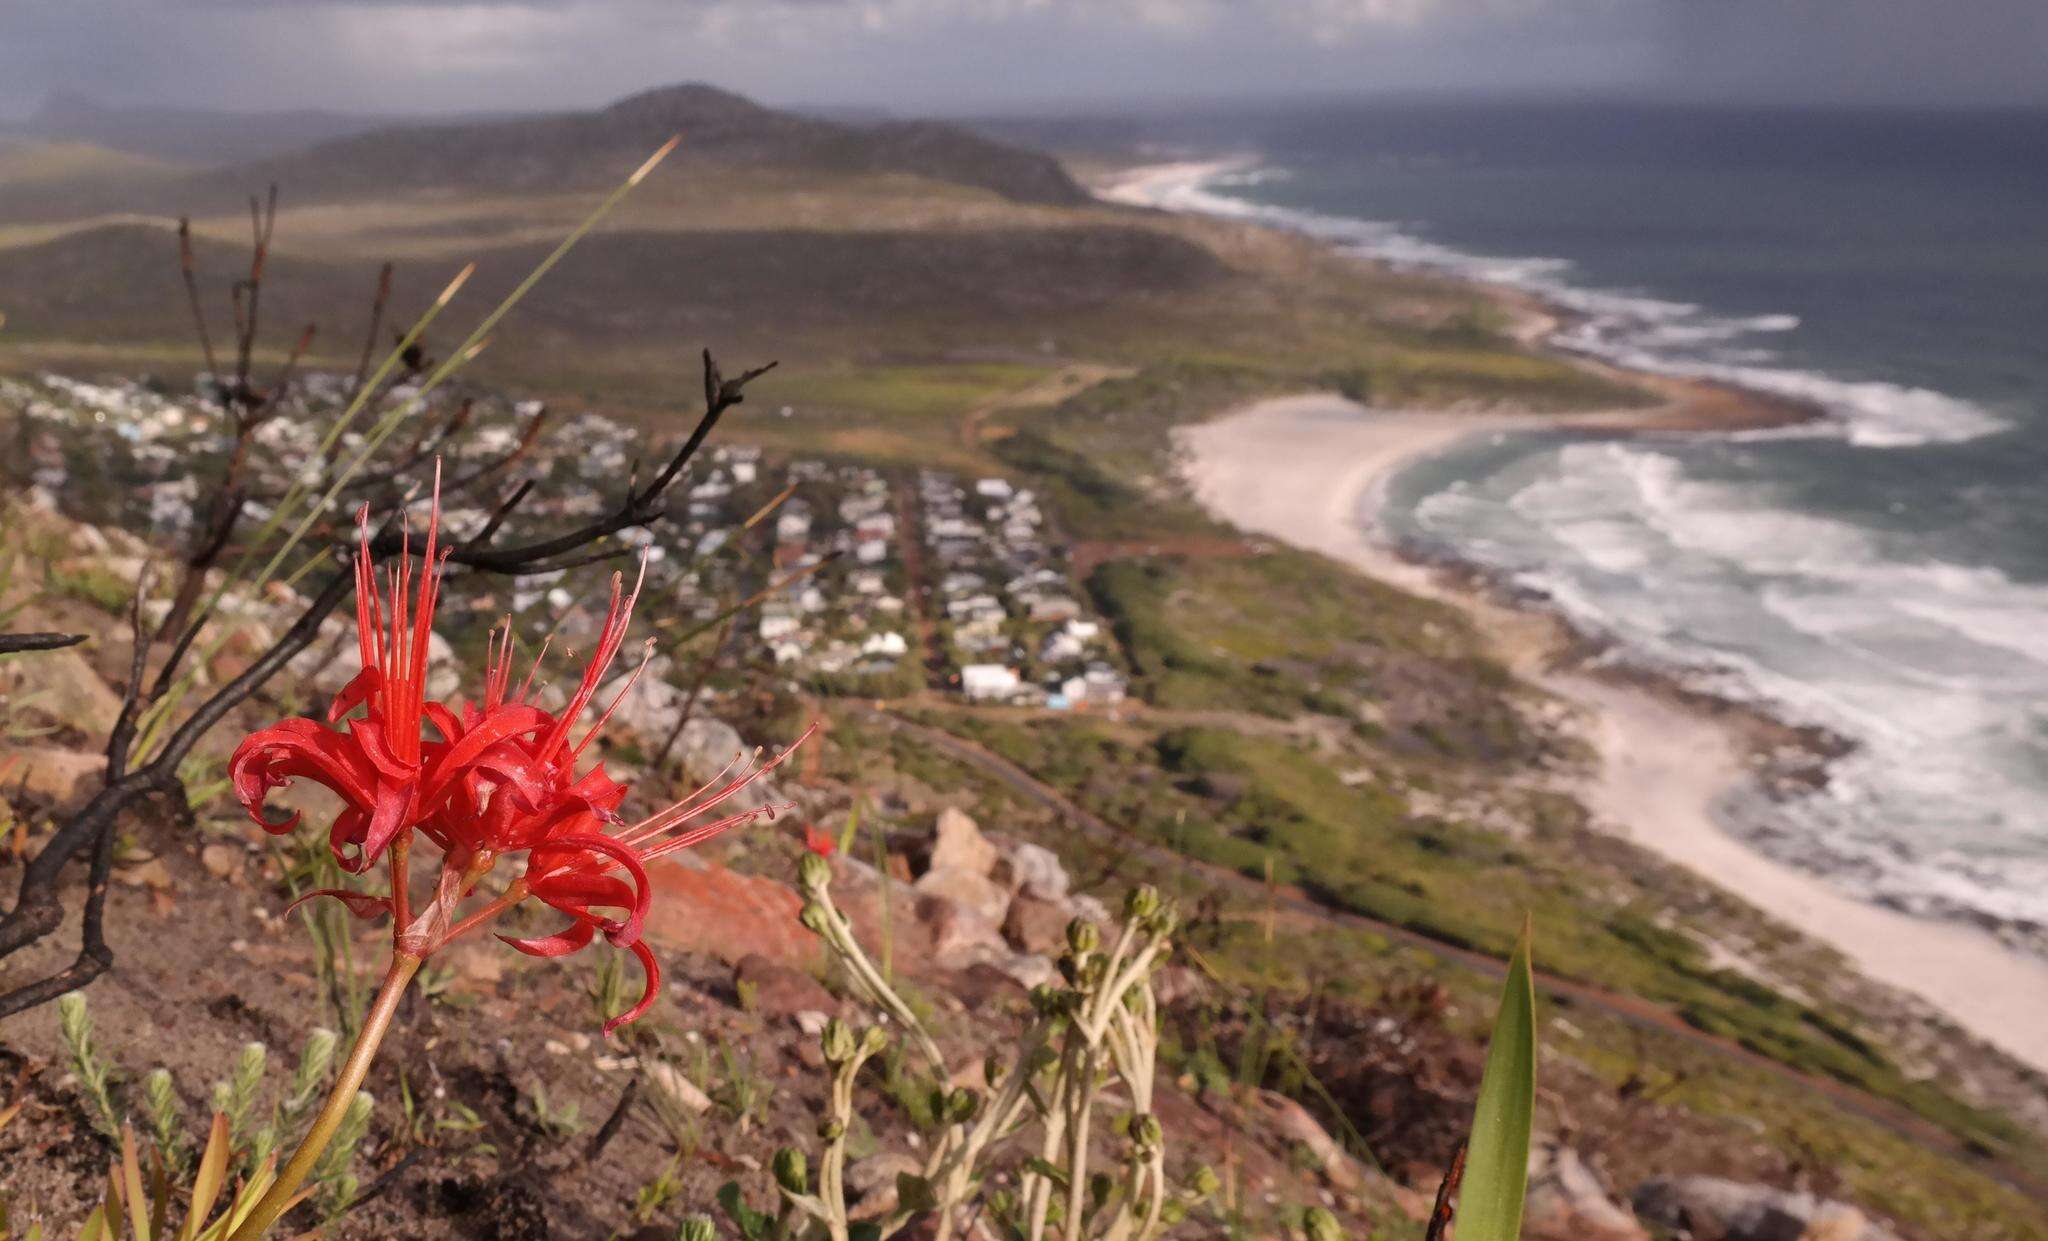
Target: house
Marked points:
988	682
889	644
993	488
776	626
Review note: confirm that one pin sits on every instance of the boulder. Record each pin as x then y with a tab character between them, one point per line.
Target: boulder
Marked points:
1035	925
1709	1207
978	893
62	777
777	990
1567	1202
711	910
62	686
1035	871
957	844
960	935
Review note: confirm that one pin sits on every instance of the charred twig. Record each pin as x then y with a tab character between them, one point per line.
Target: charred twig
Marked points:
1441	1214
10	643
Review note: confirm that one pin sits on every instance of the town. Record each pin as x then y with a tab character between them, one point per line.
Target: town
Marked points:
836	577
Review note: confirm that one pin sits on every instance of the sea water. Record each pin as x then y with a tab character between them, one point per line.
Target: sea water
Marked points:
1881	572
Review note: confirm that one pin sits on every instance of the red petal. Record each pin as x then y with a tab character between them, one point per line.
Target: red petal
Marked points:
297	748
506	722
355	693
575	937
618	853
653	968
387	819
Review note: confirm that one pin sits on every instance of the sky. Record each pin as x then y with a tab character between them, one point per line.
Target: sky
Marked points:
410	56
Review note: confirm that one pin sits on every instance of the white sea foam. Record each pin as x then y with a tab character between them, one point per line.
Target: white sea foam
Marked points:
1933	669
1628	329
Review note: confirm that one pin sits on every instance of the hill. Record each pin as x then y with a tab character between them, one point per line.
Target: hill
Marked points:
190	135
719	128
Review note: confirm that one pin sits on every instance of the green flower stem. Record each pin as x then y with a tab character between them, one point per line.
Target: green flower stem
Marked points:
375	1025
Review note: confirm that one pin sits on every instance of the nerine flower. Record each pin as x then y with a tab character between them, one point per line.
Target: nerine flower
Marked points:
500	778
375	766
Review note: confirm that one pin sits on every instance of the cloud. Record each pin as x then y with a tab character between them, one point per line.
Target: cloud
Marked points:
464	55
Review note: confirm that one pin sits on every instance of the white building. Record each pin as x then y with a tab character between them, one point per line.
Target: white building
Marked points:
988	681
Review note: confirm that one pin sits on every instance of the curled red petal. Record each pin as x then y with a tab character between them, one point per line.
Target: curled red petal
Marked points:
653	967
616	852
361	904
575	937
275	756
369	735
576	891
506	722
355	693
387	819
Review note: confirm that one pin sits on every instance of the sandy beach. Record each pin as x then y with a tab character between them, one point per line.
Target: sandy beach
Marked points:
1662	766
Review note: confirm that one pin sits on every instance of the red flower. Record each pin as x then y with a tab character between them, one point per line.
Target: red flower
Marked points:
501	779
374	767
818	842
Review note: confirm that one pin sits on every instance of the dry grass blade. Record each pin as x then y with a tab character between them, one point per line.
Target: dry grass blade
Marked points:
131	1185
207	1182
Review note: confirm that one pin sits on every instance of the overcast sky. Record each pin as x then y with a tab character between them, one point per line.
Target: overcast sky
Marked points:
989	55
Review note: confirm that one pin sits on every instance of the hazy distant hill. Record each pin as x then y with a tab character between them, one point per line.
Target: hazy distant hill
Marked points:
188	135
718	128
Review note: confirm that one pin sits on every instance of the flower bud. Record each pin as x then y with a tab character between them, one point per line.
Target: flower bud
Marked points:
1082	936
698	1228
1145	1131
836	1042
814	873
831	1129
1172	1212
1320	1225
874	1040
792	1170
1141	903
992	1070
814	917
1204	1182
961	1105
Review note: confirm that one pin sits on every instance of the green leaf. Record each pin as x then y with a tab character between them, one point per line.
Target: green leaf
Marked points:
1497	1167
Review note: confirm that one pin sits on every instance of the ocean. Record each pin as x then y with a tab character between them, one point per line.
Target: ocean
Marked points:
1881	572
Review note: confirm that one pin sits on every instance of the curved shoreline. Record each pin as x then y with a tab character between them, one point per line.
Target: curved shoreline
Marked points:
1663	765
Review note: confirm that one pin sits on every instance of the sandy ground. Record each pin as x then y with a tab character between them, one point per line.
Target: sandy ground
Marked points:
1300	468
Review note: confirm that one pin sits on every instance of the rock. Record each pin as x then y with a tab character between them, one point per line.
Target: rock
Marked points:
709	909
1030	970
1036	925
961	936
1566	1202
63	687
1035	871
1711	1207
984	896
813	1022
221	861
64	777
957	844
479	965
667	1080
776	990
1094	910
152	874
